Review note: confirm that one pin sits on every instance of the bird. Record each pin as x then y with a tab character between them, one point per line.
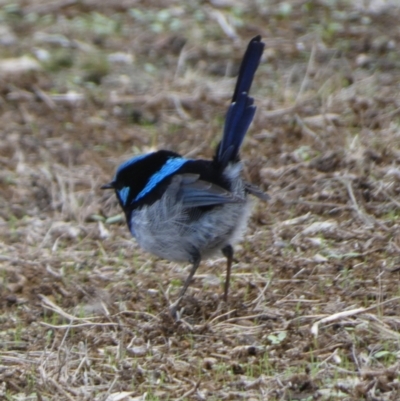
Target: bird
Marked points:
187	210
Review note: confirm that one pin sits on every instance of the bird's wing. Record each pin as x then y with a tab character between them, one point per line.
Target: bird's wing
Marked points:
193	192
255	191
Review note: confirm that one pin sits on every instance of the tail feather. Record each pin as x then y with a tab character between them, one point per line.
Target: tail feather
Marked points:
241	111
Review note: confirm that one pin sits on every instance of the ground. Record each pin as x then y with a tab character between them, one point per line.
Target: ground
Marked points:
314	307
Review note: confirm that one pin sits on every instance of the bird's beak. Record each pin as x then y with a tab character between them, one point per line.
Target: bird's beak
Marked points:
110	185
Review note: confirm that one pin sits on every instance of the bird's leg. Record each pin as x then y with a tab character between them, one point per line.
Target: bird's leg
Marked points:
195	264
227	251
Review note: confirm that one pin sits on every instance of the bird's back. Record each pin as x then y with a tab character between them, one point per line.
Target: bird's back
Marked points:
172	231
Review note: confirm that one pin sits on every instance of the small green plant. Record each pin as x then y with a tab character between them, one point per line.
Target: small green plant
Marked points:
278	337
159	21
98	24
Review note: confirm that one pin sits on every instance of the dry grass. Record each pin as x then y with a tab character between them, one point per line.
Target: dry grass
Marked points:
314	311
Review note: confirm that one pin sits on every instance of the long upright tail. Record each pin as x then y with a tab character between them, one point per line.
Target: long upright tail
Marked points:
241	111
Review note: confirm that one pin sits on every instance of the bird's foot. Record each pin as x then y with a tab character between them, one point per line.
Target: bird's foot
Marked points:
173	309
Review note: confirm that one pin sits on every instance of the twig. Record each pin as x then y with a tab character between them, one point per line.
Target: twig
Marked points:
335	316
221	316
190	392
228	28
60	389
339	315
72	326
307	130
46	303
306	75
261	296
46	99
363	216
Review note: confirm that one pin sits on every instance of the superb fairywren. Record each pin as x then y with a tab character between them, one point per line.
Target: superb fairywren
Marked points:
186	210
